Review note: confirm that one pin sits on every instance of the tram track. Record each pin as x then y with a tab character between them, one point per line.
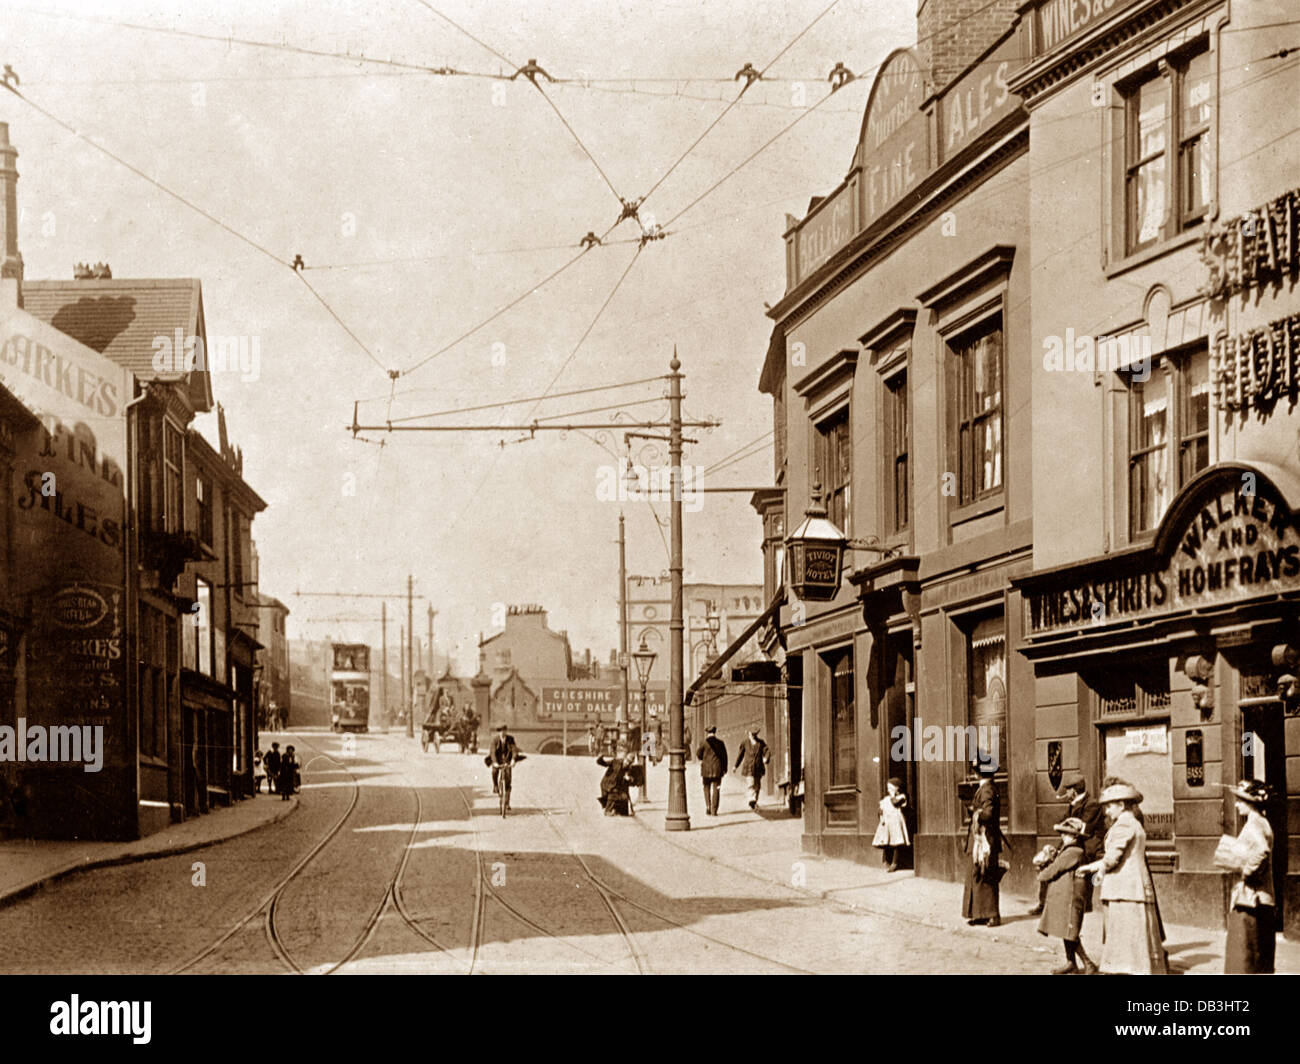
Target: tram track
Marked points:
610	892
267	904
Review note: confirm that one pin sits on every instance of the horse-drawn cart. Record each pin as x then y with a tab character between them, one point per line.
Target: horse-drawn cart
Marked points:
440	728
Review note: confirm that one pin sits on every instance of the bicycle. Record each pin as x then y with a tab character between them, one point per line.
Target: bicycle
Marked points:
504	772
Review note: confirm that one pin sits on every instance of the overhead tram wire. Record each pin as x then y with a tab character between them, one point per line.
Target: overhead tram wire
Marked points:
694	144
456	25
262	248
528	399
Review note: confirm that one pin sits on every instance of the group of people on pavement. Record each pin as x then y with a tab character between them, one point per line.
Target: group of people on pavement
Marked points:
279	769
1102	844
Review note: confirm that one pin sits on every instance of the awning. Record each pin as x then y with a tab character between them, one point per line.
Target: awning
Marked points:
715	666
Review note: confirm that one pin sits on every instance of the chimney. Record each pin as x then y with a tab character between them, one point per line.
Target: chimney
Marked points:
11	266
952	34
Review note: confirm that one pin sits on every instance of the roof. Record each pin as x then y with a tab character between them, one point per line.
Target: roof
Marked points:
13	407
122	319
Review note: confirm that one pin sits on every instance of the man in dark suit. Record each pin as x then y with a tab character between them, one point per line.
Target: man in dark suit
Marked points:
272	762
752	762
1074	789
713	766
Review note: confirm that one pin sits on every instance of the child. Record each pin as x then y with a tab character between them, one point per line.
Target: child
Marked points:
1067	896
891	832
259	771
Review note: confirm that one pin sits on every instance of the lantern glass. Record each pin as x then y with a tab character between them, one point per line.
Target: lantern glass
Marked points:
644	658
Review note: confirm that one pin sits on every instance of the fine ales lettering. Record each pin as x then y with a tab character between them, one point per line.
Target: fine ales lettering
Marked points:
970	108
895	135
75	514
97	395
1235	543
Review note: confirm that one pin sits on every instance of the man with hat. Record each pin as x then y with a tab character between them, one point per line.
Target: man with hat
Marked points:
1074	790
1067	897
713	766
1252	915
502	753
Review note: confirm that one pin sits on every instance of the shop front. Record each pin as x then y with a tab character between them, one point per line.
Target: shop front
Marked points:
1173	665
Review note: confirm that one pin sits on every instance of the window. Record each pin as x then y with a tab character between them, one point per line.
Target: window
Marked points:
1172	404
844	746
976	368
987	689
203	491
898	445
236	525
1168	156
835	467
1133	705
153	684
203	625
172	459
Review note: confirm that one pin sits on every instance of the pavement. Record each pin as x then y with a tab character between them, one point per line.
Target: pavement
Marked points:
766	844
26	865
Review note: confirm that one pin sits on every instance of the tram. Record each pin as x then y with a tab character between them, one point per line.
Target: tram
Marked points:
350	687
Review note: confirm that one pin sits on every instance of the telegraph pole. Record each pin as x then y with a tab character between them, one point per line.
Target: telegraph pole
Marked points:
432	611
401	663
410	643
678	819
625	709
383	642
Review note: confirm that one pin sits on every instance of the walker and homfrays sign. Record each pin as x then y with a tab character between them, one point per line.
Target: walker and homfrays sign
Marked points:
69	507
1239	542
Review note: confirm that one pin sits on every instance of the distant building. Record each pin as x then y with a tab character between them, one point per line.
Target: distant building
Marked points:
649	608
525	645
275	688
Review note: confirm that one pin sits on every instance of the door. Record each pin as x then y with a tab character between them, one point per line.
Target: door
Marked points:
1263	757
898	714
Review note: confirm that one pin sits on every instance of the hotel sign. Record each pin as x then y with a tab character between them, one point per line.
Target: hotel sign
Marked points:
1241	542
1059	21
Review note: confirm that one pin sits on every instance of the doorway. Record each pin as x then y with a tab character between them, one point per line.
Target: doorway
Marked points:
1263	757
898	715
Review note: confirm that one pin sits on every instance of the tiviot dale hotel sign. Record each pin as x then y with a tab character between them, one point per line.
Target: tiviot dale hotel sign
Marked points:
1238	542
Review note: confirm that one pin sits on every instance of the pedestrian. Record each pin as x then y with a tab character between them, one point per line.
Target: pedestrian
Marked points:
1067	897
713	766
752	761
273	759
891	832
1074	790
288	773
600	737
1252	914
259	771
1132	935
615	788
984	843
591	742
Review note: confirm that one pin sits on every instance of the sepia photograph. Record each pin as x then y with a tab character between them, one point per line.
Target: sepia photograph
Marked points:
697	487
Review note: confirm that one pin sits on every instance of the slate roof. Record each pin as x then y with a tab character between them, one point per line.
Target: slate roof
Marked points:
120	318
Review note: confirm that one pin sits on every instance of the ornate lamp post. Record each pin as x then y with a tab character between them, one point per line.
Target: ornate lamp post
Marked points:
644	658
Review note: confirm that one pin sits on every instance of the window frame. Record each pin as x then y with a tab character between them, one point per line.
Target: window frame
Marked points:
960	377
1179	440
897	452
173	477
205	504
838	737
204	626
837	495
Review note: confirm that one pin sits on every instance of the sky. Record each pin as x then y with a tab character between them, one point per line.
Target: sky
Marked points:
423	204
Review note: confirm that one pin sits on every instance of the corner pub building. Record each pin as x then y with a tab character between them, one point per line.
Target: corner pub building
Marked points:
1059	372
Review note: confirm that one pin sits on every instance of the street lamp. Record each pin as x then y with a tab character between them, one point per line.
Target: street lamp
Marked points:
714	622
815	553
644	658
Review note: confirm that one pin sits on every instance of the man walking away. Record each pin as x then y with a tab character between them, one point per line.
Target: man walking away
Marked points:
754	756
272	761
713	766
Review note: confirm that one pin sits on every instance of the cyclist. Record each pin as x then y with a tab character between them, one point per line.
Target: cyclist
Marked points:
503	753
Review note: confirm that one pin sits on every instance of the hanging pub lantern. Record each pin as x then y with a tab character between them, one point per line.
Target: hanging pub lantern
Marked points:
816	553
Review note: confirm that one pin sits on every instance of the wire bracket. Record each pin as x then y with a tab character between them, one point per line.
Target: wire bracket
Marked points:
297	264
749	74
11	79
530	70
840	76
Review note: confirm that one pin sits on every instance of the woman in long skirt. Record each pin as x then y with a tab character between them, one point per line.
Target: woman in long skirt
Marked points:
1132	937
1252	914
979	903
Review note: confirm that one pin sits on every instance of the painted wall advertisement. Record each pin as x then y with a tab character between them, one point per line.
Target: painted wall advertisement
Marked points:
595	701
69	743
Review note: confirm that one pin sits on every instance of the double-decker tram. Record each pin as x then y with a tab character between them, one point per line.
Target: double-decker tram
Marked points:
350	687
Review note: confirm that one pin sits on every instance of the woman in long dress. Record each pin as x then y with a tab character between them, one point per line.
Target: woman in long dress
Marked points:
979	903
1252	913
1132	937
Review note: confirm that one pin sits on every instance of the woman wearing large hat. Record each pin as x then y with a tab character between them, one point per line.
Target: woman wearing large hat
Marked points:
1132	938
1252	915
979	903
